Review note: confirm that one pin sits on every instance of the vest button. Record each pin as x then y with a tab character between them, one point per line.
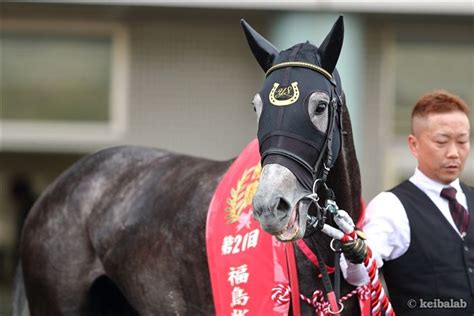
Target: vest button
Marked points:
470	270
466	248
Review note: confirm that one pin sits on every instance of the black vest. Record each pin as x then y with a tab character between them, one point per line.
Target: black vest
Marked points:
437	270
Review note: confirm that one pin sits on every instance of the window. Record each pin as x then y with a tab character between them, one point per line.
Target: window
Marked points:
62	83
428	57
425	64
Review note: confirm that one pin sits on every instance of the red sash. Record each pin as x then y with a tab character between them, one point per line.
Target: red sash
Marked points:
245	262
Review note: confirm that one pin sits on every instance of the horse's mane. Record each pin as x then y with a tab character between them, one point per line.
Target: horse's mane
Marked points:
345	177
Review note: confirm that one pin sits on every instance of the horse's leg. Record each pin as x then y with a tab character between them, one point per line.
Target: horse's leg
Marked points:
59	264
161	293
149	280
19	302
106	299
167	276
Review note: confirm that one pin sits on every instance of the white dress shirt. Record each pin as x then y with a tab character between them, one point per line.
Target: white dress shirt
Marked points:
386	224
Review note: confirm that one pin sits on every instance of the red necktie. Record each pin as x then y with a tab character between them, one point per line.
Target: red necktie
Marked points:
458	212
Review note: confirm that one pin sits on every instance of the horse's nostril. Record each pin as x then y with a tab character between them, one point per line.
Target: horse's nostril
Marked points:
283	205
275	206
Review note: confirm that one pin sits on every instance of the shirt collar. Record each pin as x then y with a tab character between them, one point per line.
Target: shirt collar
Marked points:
428	184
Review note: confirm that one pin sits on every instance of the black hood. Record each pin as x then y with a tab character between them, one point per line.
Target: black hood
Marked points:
286	134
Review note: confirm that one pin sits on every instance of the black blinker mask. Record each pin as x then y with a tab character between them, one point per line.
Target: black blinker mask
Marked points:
286	134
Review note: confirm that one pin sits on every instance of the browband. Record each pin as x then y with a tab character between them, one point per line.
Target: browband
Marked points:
302	65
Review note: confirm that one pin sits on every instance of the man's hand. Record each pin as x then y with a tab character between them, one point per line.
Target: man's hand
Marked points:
355	251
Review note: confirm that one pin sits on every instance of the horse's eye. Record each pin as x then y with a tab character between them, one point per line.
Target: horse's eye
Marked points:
257	105
320	108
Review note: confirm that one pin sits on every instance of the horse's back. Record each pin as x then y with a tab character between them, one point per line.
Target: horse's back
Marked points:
67	204
122	212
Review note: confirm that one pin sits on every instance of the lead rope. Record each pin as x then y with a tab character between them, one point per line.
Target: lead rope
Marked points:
334	307
281	295
379	301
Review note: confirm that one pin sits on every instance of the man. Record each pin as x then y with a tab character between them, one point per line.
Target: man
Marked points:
421	232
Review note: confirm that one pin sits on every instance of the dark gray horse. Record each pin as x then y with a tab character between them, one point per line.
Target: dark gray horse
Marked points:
122	232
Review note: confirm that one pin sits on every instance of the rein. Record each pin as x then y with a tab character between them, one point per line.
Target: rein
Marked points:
317	223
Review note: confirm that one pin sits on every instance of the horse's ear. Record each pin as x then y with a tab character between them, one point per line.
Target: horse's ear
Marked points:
330	48
262	49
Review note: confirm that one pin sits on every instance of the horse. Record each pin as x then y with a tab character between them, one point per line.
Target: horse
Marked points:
306	146
122	231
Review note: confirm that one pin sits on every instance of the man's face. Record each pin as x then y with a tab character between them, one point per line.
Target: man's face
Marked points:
440	143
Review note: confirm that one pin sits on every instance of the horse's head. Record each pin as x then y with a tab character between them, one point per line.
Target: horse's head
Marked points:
299	127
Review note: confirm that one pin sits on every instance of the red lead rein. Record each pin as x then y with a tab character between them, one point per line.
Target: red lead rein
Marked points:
378	297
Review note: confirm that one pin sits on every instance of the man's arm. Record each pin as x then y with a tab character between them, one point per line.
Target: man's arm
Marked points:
388	235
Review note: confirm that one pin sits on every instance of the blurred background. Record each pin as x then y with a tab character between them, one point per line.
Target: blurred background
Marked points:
78	76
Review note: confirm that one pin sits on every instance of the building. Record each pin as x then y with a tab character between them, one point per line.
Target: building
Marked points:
78	76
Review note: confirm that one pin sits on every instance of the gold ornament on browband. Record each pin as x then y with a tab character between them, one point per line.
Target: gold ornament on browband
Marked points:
301	65
292	92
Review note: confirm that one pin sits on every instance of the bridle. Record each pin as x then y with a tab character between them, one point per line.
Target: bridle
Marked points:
319	172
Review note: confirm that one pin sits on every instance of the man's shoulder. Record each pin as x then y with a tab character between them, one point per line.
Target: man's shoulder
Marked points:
465	185
396	194
382	200
389	196
385	209
406	185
